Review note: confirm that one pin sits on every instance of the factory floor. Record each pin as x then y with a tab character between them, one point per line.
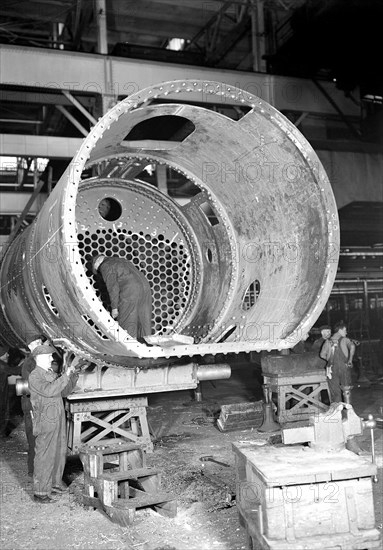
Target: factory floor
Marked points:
184	430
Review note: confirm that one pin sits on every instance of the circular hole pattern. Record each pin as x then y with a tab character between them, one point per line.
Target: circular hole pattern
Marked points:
166	266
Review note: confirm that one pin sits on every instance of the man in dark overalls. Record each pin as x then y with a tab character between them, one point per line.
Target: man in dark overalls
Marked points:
339	352
27	367
129	292
47	390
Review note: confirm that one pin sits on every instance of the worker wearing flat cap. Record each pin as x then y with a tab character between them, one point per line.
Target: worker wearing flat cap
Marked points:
129	293
325	331
47	390
27	367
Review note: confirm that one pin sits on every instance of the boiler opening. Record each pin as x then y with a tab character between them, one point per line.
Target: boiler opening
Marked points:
109	209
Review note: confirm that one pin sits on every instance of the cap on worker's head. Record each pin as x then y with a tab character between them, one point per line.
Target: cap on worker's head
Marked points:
35	337
96	262
43	350
325	327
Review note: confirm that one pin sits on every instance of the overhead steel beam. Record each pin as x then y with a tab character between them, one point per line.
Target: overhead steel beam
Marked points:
80	107
300	119
14	202
42	97
72	119
74	71
15	145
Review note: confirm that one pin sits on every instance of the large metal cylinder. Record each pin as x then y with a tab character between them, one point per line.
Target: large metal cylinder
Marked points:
241	252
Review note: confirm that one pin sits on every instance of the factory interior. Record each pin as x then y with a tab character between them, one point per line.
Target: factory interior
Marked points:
231	154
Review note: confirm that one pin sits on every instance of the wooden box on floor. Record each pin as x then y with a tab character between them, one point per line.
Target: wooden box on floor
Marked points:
300	499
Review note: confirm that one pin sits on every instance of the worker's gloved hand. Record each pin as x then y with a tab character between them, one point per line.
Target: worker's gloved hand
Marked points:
115	313
81	365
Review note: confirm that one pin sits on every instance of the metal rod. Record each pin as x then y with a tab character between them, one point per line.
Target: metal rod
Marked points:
361	253
73	120
371	423
79	106
366	304
21	120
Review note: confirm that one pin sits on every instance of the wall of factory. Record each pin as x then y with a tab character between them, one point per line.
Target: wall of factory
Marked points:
353	176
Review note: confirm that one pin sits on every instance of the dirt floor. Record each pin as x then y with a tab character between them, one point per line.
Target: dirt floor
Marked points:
184	431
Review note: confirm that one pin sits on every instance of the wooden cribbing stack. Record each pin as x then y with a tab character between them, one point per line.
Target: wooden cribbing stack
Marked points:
118	481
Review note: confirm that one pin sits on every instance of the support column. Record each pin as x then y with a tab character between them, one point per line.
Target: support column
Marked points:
258	35
102	37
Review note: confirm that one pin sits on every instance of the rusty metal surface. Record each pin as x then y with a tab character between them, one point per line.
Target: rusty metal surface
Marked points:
246	263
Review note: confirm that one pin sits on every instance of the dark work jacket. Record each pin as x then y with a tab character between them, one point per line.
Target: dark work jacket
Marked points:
47	392
317	345
129	292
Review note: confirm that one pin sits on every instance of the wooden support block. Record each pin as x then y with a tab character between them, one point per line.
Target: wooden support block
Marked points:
239	416
127	457
167	509
138	473
124	517
124	489
122	510
109	492
142	499
92	502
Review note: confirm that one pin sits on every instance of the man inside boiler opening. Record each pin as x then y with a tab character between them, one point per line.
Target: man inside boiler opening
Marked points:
129	292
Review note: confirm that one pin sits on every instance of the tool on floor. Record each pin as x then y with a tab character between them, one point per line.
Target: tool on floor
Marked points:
230	493
210	458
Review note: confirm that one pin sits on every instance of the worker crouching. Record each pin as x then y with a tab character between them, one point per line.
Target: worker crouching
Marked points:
47	391
129	292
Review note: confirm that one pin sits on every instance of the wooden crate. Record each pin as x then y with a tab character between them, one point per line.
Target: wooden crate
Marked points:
300	499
